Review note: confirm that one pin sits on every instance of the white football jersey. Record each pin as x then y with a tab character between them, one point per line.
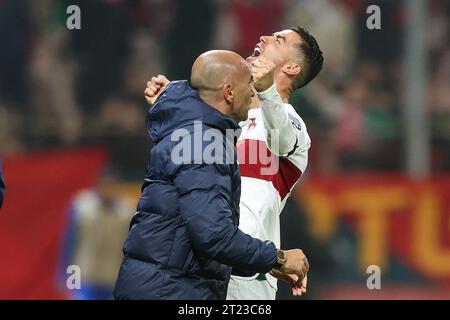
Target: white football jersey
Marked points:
272	154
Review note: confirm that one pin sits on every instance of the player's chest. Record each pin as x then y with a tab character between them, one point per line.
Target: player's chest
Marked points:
254	126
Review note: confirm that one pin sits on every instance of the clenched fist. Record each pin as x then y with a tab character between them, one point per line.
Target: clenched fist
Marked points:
154	88
262	71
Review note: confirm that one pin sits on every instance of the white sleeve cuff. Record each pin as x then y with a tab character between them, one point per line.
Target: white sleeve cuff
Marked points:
269	93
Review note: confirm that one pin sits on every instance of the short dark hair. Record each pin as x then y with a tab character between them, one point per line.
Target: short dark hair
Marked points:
311	55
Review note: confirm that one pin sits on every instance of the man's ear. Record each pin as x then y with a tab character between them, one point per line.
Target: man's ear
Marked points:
228	93
291	69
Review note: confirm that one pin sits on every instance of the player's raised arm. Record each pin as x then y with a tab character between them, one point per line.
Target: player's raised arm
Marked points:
285	133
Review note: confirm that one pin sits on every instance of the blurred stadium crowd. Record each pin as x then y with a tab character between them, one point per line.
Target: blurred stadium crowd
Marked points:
63	88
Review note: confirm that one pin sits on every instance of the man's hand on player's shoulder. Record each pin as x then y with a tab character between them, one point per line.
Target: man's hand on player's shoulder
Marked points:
154	88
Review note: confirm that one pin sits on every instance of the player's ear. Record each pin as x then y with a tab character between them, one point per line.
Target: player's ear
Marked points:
291	69
228	94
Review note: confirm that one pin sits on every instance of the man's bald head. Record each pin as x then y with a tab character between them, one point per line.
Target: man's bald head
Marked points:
223	80
213	69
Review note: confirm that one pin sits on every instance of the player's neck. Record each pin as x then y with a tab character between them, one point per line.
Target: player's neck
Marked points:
285	94
255	102
284	86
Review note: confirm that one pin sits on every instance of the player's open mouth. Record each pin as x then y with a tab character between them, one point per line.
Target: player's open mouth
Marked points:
256	52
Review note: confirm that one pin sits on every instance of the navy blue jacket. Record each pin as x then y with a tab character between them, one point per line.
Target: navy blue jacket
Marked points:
2	185
184	239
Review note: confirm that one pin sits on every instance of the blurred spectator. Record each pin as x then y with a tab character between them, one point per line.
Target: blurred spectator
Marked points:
142	62
225	28
439	85
97	227
121	128
350	136
438	26
52	76
255	18
189	36
11	126
439	106
333	25
15	42
121	115
383	45
101	48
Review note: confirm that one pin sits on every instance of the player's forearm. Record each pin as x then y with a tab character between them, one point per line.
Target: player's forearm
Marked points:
281	135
